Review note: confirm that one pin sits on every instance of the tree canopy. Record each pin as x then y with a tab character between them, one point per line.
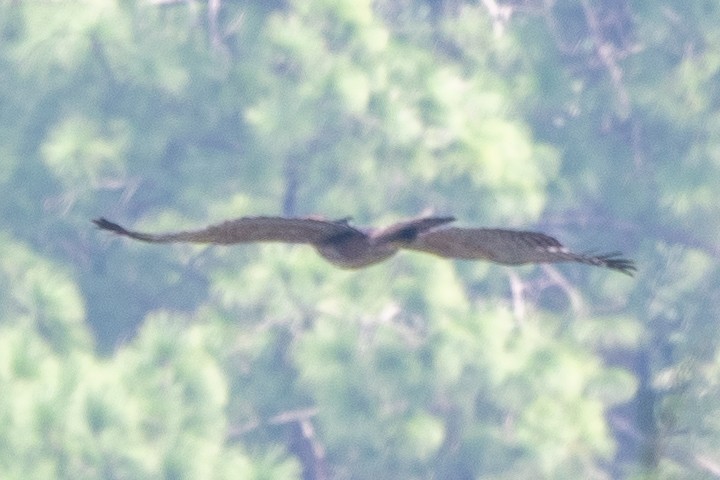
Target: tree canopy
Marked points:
595	122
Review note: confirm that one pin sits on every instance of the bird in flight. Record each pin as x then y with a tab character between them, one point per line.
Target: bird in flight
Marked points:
349	247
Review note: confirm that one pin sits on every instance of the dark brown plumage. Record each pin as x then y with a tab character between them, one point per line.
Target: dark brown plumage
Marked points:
349	247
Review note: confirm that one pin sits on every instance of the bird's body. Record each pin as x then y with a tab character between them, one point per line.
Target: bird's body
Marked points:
355	252
348	247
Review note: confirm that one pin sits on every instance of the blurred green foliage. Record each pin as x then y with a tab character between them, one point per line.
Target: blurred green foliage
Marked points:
593	121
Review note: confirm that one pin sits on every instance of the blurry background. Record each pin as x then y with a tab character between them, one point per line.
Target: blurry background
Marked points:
596	122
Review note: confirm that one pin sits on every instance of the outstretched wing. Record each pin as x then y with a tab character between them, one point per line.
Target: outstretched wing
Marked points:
408	230
247	230
510	247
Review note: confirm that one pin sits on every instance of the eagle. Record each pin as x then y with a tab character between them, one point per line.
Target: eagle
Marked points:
349	247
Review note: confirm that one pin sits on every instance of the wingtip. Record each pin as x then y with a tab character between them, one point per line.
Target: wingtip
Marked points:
105	224
616	262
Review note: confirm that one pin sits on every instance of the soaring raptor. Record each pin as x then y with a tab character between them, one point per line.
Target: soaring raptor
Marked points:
349	247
